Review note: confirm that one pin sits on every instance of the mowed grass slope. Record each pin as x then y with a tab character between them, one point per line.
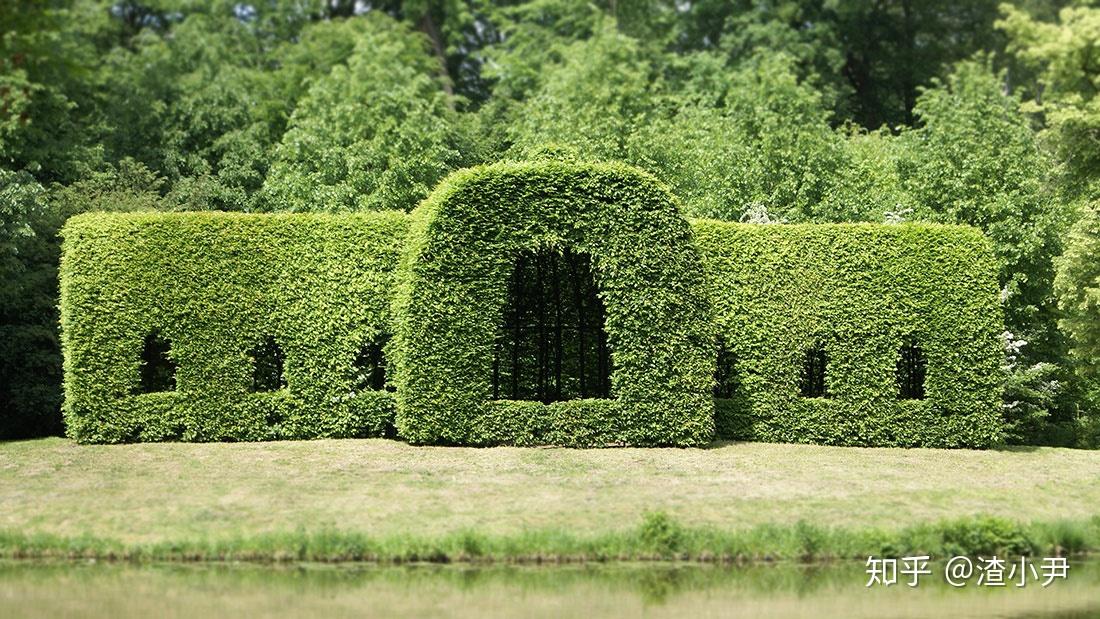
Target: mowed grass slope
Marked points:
158	493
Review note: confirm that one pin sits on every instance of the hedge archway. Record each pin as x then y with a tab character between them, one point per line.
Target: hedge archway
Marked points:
452	282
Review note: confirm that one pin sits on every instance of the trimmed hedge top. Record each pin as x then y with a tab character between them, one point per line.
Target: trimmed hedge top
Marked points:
275	326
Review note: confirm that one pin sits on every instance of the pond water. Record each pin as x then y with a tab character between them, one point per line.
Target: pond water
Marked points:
167	590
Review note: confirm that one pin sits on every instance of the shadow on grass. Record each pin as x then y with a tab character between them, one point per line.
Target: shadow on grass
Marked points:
1023	449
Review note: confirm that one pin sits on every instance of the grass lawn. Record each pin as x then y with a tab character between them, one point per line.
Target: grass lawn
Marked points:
148	494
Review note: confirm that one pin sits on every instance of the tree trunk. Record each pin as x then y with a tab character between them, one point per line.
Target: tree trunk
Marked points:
428	26
557	326
518	275
542	353
581	319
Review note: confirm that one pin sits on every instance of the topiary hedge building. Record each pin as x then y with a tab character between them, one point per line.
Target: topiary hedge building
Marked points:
548	303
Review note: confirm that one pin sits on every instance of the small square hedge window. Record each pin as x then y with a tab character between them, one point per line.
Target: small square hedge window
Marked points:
726	383
911	371
370	366
158	370
267	366
811	383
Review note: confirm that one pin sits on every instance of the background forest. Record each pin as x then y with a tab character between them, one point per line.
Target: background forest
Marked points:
768	111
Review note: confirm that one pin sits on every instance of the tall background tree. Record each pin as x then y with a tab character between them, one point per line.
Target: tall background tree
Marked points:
1078	287
379	131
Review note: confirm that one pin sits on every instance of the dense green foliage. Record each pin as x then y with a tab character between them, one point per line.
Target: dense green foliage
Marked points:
373	134
802	111
1078	286
1063	55
452	294
209	290
862	293
973	162
215	287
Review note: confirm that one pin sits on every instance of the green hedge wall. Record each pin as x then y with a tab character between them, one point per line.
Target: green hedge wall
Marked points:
215	285
452	291
218	284
861	291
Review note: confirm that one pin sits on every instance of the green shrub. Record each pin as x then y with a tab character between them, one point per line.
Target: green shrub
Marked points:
215	286
660	534
987	535
862	292
452	293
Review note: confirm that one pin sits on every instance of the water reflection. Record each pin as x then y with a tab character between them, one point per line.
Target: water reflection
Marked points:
120	590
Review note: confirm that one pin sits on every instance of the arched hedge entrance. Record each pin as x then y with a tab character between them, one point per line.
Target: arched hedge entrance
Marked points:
464	244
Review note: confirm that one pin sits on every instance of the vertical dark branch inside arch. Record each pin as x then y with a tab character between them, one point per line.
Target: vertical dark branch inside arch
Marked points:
517	321
553	331
558	352
540	302
578	299
603	375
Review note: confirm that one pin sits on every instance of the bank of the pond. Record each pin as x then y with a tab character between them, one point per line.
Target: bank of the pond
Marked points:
386	501
657	538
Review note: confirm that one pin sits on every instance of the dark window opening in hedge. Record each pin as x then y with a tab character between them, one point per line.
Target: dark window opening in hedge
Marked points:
551	345
726	382
911	372
267	366
370	366
158	371
811	384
